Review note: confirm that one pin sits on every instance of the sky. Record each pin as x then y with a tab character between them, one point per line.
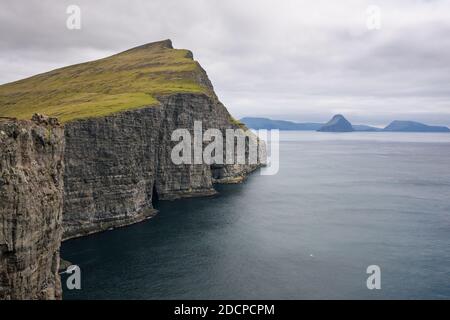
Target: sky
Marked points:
372	61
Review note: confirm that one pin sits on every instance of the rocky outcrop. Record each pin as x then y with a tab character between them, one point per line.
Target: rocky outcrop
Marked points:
31	202
117	165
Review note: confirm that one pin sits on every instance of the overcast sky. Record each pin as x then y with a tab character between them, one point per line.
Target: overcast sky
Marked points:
294	60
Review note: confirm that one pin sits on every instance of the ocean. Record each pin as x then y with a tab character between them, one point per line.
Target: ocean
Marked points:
341	202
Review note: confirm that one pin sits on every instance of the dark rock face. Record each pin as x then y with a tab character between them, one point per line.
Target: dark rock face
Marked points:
31	202
115	165
337	124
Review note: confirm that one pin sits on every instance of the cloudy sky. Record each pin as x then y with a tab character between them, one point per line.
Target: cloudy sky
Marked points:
295	60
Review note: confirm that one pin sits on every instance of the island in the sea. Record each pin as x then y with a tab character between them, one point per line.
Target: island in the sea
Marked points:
339	123
413	126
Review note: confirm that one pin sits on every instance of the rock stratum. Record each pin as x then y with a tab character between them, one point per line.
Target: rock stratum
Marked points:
31	203
118	114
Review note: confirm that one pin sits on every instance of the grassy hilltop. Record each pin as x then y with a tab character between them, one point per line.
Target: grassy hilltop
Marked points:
131	79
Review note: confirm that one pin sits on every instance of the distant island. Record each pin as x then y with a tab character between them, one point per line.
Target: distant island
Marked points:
265	123
339	123
412	126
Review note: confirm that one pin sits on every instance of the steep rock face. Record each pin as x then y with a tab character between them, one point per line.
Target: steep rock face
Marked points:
31	200
115	165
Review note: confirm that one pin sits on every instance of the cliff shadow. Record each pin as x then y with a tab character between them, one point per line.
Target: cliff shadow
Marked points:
155	197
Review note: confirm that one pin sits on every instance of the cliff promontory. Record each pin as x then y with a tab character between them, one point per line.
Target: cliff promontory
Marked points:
119	113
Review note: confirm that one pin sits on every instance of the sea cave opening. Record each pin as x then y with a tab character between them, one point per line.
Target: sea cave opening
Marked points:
216	171
155	197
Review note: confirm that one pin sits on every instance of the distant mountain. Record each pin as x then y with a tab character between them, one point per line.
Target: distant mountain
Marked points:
265	123
412	126
337	124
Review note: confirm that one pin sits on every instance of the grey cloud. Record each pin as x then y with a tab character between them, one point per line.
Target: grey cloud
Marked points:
300	60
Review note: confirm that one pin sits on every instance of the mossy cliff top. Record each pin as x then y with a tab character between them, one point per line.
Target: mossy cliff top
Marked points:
124	81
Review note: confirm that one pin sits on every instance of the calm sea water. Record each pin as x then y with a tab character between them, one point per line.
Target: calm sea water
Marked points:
340	203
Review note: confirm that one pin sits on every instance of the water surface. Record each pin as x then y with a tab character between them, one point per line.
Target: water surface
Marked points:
340	203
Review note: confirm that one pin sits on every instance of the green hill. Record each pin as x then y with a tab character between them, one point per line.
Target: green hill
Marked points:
128	80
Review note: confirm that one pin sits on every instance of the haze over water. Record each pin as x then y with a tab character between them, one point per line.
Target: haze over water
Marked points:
340	203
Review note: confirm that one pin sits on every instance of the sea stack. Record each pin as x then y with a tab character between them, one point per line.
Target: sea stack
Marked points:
337	124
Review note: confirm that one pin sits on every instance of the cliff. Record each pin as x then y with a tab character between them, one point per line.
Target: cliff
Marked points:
31	202
117	164
125	81
119	113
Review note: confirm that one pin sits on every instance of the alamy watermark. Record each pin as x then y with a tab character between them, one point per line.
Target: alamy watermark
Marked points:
73	281
228	147
73	21
374	280
373	19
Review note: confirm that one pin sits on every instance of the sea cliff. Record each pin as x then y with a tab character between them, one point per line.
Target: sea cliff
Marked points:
109	160
31	202
116	165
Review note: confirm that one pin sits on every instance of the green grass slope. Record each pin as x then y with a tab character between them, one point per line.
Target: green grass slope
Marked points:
124	81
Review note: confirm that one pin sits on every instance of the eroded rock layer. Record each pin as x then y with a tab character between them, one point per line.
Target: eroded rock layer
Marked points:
31	202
